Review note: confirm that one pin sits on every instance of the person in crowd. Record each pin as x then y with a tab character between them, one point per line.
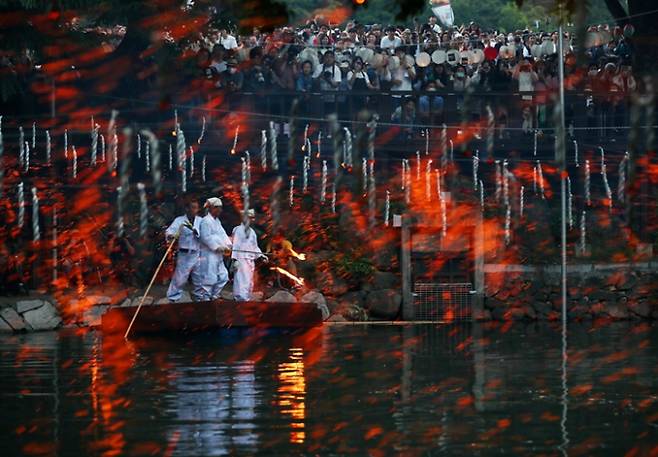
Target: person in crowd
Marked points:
430	106
227	40
526	76
211	276
185	229
391	40
244	254
329	77
305	79
405	114
404	74
358	81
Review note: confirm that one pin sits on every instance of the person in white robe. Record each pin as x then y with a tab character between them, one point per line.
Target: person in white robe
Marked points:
211	276
187	258
244	255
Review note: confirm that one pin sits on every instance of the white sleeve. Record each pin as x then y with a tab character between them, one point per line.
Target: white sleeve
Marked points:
337	75
173	228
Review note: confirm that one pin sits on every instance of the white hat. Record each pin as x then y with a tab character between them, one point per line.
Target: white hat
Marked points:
213	202
251	212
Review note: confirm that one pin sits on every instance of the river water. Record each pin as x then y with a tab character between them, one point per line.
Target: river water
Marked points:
472	389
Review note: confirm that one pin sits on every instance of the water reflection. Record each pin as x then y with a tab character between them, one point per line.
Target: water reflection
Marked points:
292	393
455	390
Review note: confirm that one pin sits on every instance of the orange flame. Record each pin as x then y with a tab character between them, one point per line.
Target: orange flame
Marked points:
284	272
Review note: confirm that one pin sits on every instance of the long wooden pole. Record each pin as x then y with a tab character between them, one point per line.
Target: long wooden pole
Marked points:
157	270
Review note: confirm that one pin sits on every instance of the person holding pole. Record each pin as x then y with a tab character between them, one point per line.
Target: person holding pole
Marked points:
245	253
211	276
187	258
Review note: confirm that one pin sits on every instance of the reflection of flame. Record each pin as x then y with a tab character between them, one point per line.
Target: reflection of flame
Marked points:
297	279
292	393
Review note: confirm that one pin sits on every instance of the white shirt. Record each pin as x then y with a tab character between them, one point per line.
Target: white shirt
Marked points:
401	74
336	76
229	42
387	43
245	240
187	239
212	234
360	75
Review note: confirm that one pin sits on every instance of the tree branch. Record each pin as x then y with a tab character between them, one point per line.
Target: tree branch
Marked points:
618	12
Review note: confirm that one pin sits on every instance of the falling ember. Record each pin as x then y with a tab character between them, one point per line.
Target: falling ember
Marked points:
364	175
508	223
21	147
191	161
347	148
203	168
588	195
27	156
171	157
75	162
263	150
534	148
304	143
94	142
444	147
418	165
66	143
444	218
102	146
305	170
48	146
569	202
36	235
575	153
139	146
452	152
21	205
235	140
621	185
583	234
291	195
498	181
289	275
505	177
333	197
406	176
428	179
143	209
387	208
203	130
34	135
481	195
427	142
604	175
147	156
274	157
521	201
540	177
120	227
476	165
323	184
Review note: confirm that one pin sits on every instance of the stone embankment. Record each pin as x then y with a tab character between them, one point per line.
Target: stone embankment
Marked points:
512	292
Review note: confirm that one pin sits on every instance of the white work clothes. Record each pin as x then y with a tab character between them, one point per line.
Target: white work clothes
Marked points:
244	239
187	259
211	276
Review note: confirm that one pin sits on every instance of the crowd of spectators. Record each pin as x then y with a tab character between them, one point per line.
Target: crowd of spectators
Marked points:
372	60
